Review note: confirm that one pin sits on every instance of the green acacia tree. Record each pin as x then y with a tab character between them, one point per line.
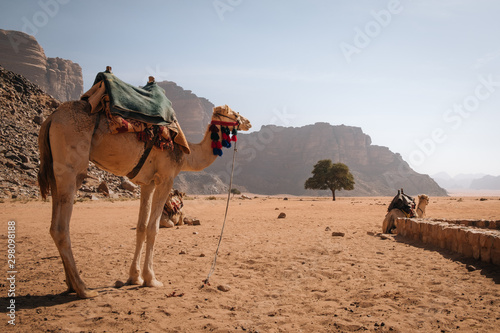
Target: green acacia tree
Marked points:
330	176
235	191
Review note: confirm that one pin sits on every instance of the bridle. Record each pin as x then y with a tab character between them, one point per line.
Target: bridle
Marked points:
227	136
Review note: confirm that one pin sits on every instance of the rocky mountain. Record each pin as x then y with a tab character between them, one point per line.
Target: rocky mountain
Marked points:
193	112
23	107
21	53
278	160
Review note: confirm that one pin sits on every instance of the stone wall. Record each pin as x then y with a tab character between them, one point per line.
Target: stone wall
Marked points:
478	239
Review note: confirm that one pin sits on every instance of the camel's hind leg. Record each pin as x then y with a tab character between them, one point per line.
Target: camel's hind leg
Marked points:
70	139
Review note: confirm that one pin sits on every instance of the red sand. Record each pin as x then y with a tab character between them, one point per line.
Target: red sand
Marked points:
285	275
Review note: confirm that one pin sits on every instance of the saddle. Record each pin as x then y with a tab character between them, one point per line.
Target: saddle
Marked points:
404	203
143	110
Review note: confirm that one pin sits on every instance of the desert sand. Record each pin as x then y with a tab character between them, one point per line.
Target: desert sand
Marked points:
283	275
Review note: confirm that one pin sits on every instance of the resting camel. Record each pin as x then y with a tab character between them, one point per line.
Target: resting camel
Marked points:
172	215
72	136
390	219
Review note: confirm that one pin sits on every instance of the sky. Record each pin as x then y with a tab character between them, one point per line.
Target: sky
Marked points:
421	77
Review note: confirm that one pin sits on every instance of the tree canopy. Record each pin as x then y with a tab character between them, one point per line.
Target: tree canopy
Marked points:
330	176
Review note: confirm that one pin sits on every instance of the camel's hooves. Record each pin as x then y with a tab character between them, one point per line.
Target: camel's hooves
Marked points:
135	281
153	283
88	294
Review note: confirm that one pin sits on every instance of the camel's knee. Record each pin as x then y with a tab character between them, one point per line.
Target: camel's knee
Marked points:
152	232
60	237
141	228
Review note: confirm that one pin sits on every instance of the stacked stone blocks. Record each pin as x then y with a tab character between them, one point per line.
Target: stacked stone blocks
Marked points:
478	239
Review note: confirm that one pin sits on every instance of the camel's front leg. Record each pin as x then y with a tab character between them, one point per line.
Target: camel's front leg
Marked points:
144	213
162	190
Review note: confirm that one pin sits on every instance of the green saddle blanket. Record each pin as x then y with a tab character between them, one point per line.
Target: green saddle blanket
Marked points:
147	104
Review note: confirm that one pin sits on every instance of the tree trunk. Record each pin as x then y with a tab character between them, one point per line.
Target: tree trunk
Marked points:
333	194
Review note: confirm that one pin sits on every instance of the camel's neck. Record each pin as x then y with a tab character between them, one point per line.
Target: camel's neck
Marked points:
421	208
201	155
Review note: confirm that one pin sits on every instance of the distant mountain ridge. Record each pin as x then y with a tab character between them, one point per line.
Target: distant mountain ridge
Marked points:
478	181
278	160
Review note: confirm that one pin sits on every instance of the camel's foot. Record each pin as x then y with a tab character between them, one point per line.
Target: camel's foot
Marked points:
87	293
153	283
135	281
68	291
166	224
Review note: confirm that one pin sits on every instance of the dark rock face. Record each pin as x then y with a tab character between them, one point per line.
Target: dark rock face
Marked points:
23	105
21	53
278	160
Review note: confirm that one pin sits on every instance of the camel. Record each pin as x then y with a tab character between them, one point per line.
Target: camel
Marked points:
173	213
72	136
389	223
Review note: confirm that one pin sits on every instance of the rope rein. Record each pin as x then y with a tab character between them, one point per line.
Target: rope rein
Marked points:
212	269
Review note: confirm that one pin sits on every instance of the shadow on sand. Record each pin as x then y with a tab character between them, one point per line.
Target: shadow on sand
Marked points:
486	269
33	302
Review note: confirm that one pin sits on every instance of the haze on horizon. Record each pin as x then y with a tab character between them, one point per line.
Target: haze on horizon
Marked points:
420	77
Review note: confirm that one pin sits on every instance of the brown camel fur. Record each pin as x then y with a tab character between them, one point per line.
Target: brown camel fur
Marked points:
71	137
389	223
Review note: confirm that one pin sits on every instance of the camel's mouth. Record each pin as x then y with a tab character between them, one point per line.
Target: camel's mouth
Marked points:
244	124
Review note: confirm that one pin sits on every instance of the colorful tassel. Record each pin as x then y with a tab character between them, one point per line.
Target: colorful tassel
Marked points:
213	128
214	136
224	140
234	133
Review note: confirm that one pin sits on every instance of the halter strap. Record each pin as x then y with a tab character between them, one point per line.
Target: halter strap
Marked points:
224	123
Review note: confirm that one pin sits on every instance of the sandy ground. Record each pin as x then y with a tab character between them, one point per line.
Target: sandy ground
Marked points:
285	275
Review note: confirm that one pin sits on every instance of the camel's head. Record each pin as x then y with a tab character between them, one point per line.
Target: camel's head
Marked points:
423	199
224	113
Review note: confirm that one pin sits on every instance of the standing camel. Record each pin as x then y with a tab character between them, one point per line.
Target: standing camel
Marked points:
390	219
72	136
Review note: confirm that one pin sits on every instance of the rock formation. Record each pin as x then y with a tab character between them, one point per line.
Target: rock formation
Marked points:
23	107
21	53
193	112
277	160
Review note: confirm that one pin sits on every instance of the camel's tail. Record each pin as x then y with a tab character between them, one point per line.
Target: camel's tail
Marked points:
46	171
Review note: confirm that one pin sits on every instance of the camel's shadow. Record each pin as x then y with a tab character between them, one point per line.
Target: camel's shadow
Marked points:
488	270
34	302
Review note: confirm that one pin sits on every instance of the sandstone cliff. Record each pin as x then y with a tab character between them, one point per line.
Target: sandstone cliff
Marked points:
58	77
278	160
193	112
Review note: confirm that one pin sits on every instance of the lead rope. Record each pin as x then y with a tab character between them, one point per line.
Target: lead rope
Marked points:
212	269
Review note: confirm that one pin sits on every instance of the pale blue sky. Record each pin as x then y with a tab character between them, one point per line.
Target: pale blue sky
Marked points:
421	77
